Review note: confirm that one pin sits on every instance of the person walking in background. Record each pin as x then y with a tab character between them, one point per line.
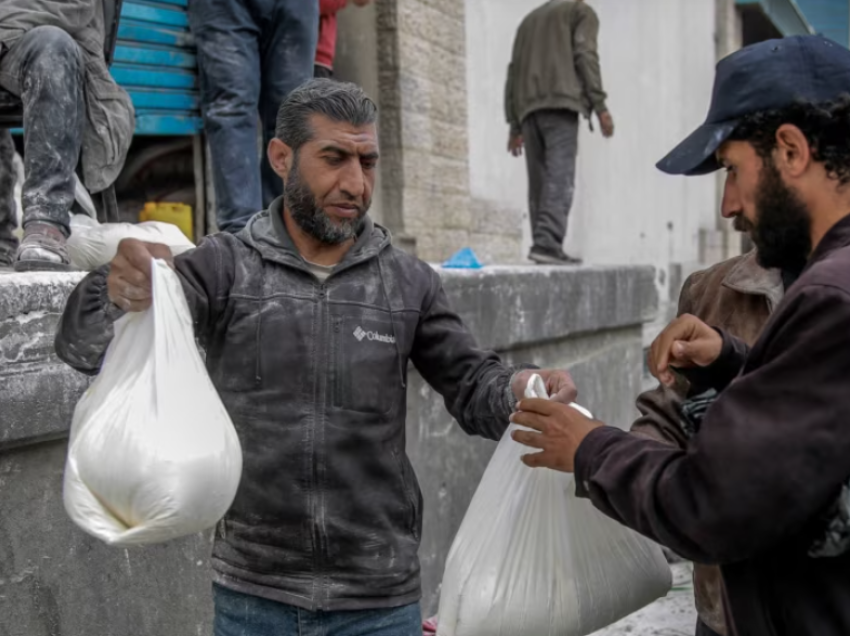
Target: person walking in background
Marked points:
251	55
553	77
326	48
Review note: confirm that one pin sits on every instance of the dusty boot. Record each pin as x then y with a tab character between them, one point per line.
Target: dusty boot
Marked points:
43	249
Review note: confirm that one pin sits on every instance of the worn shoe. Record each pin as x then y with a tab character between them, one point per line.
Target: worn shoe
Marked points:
543	256
42	250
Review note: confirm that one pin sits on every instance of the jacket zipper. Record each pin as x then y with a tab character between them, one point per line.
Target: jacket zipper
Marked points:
319	509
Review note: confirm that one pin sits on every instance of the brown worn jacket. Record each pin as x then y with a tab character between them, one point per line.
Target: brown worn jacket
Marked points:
737	296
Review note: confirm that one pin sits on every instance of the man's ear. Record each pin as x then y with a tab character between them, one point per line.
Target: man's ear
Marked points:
793	154
281	157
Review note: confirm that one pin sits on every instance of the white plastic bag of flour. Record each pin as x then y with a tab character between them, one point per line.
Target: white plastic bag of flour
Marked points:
153	454
531	559
93	244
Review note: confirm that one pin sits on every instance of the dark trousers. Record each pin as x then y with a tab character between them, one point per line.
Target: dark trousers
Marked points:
551	144
239	614
46	69
251	54
7	198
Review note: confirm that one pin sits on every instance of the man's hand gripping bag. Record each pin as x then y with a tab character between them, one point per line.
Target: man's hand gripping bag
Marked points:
531	559
153	454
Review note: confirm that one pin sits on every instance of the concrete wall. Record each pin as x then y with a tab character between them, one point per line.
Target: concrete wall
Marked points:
57	581
658	61
357	61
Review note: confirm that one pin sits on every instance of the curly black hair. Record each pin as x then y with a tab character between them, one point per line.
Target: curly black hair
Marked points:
825	125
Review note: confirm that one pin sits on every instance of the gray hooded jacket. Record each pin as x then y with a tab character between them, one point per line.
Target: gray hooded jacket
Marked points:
329	513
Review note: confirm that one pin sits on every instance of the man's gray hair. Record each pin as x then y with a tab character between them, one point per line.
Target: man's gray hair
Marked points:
339	101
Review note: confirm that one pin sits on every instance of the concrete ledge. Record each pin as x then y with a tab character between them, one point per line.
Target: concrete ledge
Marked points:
37	391
509	307
505	307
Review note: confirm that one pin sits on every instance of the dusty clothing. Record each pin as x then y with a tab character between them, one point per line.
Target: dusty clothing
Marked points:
738	296
251	55
329	513
551	143
753	489
326	48
8	222
109	118
46	67
555	64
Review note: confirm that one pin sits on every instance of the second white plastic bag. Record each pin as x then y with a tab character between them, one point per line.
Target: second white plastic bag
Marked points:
531	559
153	454
93	244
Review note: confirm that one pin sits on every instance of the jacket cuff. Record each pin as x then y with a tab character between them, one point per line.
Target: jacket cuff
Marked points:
587	453
600	107
510	399
720	373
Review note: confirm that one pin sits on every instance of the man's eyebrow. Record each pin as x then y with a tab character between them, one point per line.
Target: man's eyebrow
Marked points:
347	153
337	149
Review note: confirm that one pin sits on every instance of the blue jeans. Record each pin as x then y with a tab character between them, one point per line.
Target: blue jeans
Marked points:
244	615
251	54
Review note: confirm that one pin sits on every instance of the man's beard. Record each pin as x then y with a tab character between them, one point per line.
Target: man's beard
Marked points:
781	233
312	218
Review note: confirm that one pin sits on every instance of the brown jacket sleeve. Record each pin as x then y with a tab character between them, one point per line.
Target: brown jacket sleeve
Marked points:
659	408
771	453
585	33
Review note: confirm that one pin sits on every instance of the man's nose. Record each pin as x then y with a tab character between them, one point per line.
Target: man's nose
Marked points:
353	181
731	206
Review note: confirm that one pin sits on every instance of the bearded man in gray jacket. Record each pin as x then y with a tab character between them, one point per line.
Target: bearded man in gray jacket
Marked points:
309	318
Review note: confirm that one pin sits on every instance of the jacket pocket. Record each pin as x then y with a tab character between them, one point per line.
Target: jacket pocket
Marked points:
413	495
365	364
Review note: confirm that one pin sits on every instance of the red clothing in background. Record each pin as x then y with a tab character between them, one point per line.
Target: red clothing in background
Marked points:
326	48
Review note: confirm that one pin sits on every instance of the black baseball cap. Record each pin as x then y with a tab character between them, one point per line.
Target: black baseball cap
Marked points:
763	76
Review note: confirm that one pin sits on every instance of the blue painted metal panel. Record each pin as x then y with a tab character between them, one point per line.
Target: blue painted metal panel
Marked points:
127	75
163	99
134	31
149	123
830	18
156	14
150	56
156	62
784	14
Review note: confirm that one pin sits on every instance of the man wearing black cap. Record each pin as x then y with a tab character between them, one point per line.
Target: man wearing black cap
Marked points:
762	487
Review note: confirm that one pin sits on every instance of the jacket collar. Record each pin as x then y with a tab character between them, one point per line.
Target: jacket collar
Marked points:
837	237
748	277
